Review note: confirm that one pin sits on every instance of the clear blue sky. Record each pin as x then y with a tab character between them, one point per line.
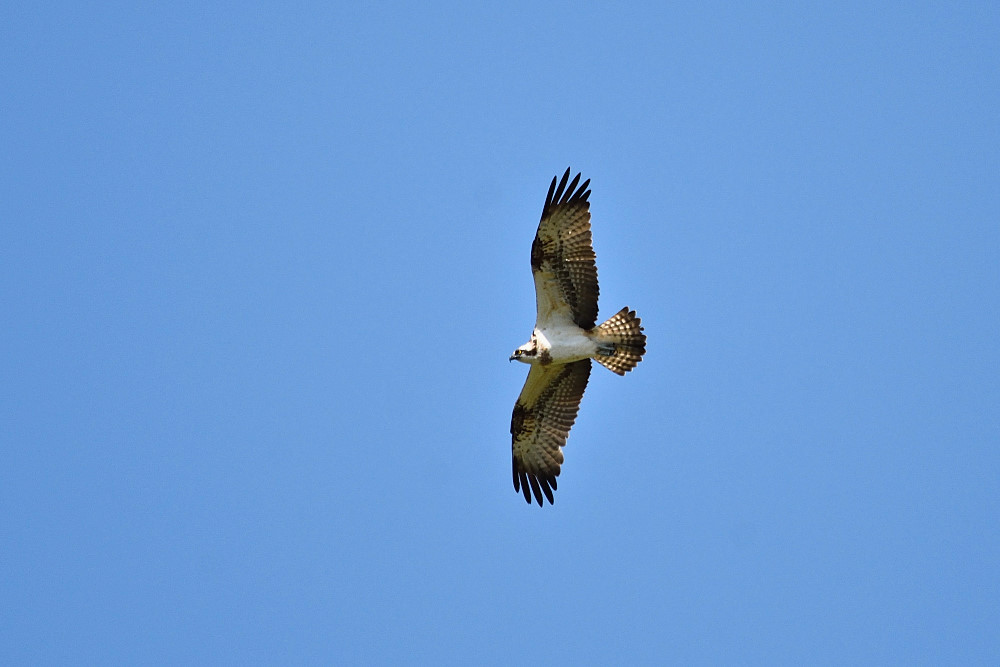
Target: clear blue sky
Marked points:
261	270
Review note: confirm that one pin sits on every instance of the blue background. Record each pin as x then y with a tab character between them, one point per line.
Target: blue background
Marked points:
261	268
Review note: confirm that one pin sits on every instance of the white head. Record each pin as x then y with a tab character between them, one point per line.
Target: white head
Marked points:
527	353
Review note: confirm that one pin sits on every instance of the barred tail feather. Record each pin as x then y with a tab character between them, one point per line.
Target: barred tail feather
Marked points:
620	342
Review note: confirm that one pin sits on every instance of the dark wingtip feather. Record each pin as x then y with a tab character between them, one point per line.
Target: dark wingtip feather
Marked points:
557	196
546	489
548	197
536	489
571	188
563	191
529	484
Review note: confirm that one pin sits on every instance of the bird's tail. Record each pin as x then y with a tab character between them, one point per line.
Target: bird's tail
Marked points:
620	342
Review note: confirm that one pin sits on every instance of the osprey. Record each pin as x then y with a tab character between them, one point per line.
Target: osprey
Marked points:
564	340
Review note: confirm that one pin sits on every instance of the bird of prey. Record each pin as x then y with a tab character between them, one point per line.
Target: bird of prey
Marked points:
564	339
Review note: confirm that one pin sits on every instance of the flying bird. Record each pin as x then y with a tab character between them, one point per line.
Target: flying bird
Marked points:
564	339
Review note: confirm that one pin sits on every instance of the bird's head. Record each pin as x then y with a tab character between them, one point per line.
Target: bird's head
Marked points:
527	353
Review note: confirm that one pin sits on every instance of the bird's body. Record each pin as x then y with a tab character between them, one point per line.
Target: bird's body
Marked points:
564	339
558	345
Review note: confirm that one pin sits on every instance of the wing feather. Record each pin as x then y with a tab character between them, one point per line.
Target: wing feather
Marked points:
562	256
543	415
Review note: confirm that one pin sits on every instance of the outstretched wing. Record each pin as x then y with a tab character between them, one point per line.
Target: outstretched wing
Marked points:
543	415
562	257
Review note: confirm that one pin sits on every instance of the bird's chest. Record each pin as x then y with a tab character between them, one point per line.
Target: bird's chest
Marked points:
563	345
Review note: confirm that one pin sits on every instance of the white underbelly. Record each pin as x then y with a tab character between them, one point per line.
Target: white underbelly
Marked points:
565	345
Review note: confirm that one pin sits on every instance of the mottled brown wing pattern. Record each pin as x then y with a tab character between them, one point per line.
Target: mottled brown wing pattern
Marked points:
562	254
543	415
